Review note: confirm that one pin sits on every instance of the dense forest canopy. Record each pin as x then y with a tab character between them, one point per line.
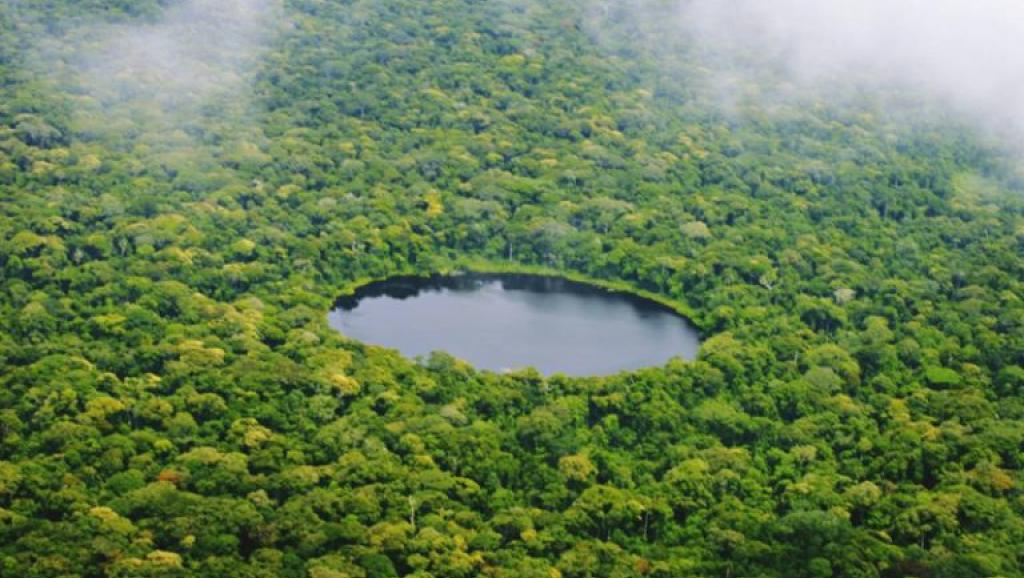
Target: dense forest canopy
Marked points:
186	186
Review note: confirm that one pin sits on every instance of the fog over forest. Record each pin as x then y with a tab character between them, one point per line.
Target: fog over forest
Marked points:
161	67
963	54
193	192
953	52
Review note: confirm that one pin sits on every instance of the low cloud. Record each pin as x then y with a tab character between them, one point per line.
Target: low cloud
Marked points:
196	49
966	54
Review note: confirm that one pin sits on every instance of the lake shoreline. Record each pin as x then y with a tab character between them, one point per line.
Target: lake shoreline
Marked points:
500	321
471	266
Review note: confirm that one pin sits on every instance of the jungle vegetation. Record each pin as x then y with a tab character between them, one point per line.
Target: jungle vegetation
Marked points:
173	403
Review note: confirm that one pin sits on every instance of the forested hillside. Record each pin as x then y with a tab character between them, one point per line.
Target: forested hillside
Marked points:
173	402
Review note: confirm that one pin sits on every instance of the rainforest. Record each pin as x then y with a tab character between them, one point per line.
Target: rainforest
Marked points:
187	186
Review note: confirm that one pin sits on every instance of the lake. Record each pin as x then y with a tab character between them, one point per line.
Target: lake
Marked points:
502	322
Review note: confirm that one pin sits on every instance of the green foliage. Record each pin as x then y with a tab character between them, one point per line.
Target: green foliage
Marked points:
173	403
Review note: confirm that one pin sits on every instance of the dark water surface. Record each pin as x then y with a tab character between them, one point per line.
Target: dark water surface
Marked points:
508	321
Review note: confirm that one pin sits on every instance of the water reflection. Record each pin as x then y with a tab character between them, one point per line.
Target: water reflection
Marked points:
502	321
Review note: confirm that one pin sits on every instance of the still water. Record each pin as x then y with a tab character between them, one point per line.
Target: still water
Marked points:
509	321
